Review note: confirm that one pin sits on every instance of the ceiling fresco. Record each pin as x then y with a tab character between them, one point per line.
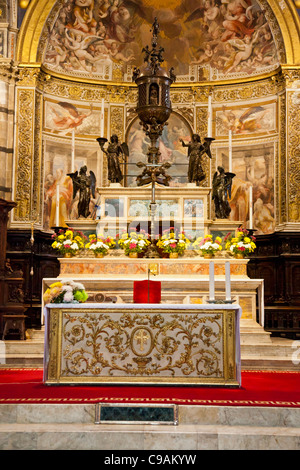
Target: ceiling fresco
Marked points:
202	39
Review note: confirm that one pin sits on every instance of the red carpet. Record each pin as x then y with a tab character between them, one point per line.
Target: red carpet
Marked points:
259	388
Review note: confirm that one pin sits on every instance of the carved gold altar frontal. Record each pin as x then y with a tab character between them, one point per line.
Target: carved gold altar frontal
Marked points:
142	345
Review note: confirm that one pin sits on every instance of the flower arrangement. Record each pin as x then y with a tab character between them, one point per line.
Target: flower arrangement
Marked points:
173	242
68	242
66	291
208	246
134	242
241	244
99	244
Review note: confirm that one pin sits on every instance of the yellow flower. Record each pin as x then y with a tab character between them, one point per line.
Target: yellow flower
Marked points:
219	239
56	284
247	240
61	237
124	236
47	297
69	234
54	244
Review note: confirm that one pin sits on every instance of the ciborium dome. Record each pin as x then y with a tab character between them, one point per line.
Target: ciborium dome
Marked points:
153	81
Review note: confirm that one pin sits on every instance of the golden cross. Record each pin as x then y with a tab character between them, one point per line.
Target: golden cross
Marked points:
142	338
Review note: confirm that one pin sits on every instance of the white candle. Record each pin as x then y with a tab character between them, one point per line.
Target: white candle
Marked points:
102	119
57	206
250	207
209	125
73	152
227	280
230	151
211	280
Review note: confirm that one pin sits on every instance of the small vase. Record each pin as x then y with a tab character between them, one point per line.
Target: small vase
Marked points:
173	255
208	255
68	255
99	255
133	255
239	255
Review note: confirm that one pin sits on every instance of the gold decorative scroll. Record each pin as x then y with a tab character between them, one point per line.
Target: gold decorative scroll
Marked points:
184	346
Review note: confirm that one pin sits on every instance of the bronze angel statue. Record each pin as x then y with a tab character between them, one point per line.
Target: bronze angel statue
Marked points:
86	185
114	151
196	150
222	183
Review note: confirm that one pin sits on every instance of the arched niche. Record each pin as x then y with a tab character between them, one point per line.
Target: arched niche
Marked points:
169	146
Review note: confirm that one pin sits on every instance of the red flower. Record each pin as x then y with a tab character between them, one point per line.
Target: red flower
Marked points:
132	246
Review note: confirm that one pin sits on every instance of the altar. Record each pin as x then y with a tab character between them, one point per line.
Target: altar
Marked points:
183	281
142	344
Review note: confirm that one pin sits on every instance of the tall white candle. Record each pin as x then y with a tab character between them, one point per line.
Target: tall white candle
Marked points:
57	206
209	124
251	207
227	280
73	152
102	119
230	151
211	280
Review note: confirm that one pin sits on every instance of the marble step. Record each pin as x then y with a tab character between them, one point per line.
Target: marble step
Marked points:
63	413
71	427
258	349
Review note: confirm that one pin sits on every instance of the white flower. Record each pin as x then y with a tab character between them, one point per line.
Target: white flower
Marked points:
141	242
78	285
166	242
68	296
182	242
74	246
206	246
68	288
215	246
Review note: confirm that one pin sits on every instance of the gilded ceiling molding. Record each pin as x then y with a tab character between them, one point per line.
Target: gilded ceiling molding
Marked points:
289	23
31	29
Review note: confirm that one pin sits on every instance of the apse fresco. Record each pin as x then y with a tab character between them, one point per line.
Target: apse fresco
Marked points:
253	166
251	119
202	39
62	118
59	204
170	147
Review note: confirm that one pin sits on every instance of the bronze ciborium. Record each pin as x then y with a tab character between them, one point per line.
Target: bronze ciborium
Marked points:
154	109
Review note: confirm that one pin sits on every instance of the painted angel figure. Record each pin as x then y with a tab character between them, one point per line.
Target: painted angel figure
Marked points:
86	185
66	116
222	183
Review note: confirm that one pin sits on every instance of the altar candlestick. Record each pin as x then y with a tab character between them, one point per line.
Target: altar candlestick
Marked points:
211	280
102	119
209	125
250	207
230	151
73	152
57	206
227	280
